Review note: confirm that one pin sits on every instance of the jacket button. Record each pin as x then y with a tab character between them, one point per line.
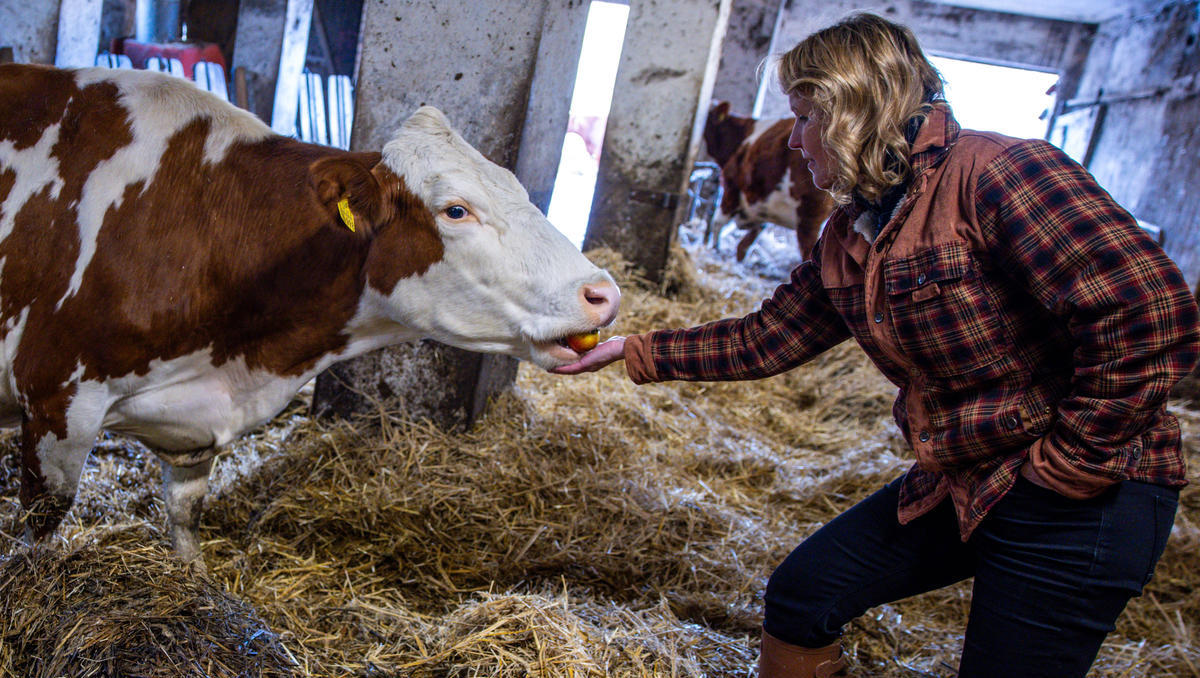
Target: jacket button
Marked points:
921	279
1012	422
878	317
924	436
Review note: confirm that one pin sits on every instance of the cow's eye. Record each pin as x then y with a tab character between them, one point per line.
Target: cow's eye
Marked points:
456	212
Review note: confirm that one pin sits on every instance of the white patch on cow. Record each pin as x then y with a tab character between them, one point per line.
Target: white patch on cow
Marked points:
10	403
187	404
158	106
777	207
62	459
35	170
508	281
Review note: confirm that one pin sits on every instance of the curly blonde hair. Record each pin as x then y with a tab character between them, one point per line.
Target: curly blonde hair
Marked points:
869	80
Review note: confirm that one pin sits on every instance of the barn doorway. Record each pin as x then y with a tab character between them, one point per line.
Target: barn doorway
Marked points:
575	183
1012	101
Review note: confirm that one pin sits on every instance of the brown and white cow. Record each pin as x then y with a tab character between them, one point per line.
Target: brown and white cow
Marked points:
172	270
763	179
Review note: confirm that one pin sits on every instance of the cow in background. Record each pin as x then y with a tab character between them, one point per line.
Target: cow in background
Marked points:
763	179
173	270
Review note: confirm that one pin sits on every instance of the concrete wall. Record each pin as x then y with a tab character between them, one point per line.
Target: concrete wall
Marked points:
666	74
1142	79
747	45
945	30
31	29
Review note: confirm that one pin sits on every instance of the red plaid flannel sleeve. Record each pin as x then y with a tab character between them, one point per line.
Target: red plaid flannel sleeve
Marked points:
797	323
1124	301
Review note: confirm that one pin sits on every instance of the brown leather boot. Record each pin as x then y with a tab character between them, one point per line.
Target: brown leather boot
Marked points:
782	660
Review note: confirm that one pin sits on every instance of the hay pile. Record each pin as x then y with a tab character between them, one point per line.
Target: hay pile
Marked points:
117	604
585	527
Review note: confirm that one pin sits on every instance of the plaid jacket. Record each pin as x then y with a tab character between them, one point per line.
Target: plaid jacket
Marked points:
1022	313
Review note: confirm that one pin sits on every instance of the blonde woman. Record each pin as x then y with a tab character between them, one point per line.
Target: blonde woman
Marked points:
1033	330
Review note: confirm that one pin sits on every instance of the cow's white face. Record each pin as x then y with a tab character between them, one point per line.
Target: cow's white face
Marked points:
507	280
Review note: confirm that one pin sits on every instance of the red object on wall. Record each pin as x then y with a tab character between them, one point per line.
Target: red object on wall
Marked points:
189	54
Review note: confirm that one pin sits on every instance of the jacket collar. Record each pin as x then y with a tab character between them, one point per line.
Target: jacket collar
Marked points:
937	135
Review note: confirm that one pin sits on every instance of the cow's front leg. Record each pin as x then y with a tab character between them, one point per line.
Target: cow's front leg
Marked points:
53	454
184	488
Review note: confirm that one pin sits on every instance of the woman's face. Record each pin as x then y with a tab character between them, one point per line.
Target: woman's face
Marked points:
806	138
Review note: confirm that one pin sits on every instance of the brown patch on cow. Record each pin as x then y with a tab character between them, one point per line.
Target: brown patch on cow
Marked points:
348	177
408	244
8	178
39	254
724	133
237	256
759	167
34	98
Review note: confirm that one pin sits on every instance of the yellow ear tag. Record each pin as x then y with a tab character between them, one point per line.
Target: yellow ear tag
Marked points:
347	215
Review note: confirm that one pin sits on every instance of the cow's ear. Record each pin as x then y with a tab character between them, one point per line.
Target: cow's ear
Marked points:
348	192
721	110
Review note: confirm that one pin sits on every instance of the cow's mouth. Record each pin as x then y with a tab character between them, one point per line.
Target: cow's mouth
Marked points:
561	349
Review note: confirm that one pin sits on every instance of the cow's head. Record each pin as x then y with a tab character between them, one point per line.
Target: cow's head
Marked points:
723	133
458	253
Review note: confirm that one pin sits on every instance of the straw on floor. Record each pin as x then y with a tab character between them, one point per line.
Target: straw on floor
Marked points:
585	527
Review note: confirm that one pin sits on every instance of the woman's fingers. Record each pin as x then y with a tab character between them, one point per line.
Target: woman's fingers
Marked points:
610	351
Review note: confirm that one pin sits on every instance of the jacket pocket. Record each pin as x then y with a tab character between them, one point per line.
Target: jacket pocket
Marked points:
943	317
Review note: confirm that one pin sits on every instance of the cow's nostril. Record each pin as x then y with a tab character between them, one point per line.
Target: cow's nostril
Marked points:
601	301
599	295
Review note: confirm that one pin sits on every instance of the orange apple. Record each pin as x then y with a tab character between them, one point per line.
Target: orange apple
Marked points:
584	342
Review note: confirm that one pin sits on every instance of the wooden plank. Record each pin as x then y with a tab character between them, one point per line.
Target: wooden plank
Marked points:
340	110
211	77
312	126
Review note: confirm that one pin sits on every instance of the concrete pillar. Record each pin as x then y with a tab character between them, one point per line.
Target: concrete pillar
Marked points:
270	44
296	26
78	33
31	29
549	108
747	45
664	82
476	62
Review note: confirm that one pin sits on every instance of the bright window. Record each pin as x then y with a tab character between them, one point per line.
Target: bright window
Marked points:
1011	101
575	183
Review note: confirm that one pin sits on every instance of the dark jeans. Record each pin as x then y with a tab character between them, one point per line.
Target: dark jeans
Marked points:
1051	573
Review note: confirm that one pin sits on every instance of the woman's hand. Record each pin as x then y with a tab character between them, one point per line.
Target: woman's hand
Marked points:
611	350
1031	475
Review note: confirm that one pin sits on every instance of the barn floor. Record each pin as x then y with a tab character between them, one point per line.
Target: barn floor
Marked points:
586	527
